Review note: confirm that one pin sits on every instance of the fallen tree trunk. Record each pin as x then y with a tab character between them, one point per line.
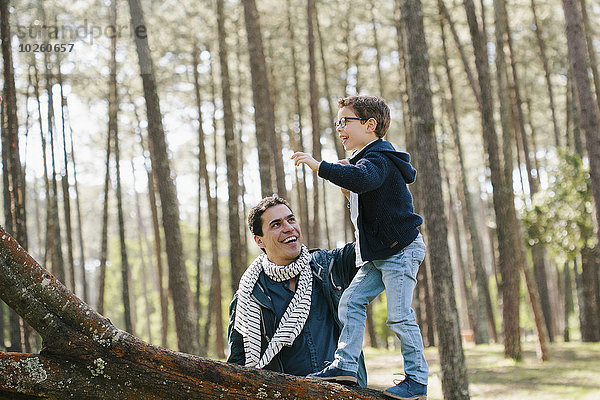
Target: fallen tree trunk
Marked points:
85	356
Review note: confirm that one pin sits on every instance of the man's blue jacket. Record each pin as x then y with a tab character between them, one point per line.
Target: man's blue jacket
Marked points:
333	271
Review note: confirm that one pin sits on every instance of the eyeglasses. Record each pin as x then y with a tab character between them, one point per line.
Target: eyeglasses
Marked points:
341	123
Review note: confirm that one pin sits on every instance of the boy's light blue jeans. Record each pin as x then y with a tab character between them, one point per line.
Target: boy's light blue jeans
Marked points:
398	276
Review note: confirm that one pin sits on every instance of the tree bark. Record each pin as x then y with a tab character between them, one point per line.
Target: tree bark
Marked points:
539	36
141	233
402	73
587	104
264	114
65	189
231	157
371	7
104	237
86	357
53	223
214	316
164	298
472	83
590	328
125	269
454	371
185	314
339	148
473	241
591	49
84	283
296	136
113	130
210	199
13	173
503	204
314	113
568	300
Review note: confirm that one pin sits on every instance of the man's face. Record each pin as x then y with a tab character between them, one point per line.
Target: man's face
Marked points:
282	238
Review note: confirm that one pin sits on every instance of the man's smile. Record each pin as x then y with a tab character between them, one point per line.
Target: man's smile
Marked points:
290	239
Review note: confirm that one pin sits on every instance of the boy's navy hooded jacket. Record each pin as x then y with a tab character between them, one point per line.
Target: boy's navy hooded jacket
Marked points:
386	218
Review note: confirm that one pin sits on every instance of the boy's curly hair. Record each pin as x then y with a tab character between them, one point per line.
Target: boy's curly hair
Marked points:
369	107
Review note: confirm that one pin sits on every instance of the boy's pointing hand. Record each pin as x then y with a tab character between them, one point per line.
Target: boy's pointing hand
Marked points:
305	158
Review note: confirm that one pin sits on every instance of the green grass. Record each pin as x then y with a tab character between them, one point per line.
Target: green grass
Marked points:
573	372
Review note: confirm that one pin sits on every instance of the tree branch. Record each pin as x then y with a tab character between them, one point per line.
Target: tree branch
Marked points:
85	356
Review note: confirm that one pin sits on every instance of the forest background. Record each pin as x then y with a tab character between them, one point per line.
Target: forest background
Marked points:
495	101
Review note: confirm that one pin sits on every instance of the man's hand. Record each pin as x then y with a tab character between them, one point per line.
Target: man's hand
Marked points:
305	158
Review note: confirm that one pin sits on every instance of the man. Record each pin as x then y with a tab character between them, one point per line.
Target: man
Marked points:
284	315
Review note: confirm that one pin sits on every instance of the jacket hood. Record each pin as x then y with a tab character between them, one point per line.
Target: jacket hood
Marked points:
400	159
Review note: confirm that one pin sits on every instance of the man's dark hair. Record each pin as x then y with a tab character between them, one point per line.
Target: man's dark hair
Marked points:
369	107
255	215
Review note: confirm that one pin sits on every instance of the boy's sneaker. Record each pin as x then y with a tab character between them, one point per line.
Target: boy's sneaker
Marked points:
333	374
407	390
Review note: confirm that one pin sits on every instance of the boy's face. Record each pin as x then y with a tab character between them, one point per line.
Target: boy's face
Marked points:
281	238
357	133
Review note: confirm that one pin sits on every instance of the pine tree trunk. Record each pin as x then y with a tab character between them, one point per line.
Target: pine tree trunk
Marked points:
473	241
587	105
402	73
381	86
125	270
12	172
463	278
568	300
314	113
231	157
454	371
84	283
215	314
297	136
538	254
201	179
518	104
264	117
144	273
185	314
36	89
57	253
509	128
239	135
104	237
65	189
164	298
157	272
503	204
472	83
539	35
590	328
113	130
591	49
339	148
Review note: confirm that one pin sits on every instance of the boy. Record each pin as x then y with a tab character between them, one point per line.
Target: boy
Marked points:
389	247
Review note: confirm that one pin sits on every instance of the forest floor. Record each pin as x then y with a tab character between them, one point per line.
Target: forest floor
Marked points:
573	372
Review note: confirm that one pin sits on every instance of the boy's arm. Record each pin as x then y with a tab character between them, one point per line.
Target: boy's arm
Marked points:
368	173
305	158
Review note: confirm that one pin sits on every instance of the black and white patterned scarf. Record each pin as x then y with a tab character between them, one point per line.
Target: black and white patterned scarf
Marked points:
248	314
